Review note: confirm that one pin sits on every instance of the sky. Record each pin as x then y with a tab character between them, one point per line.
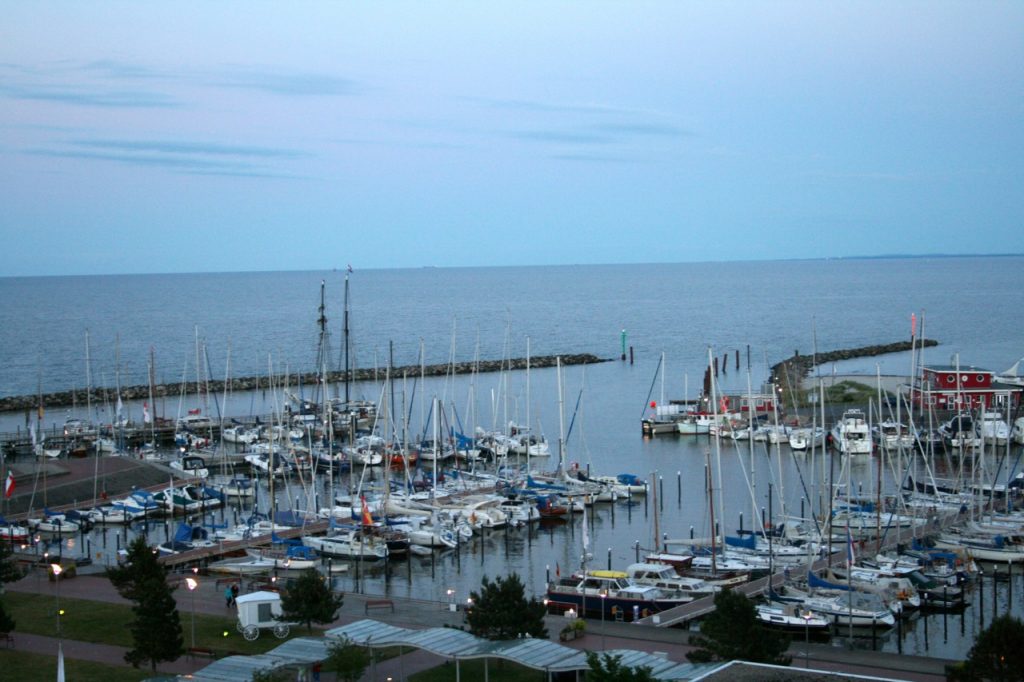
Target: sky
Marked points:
142	137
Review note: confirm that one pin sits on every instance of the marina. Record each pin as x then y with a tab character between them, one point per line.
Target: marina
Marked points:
755	483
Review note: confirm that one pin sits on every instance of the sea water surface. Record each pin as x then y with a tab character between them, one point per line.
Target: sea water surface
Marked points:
253	323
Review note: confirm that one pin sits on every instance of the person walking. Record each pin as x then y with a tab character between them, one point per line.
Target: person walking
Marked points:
229	597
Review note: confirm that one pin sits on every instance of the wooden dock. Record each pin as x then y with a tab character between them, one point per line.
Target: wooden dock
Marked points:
203	555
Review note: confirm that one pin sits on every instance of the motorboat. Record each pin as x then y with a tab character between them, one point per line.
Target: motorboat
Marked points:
992	428
851	435
665	577
611	594
857	609
348	544
192	466
186	538
806	438
793	618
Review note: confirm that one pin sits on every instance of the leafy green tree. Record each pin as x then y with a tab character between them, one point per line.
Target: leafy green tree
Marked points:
9	569
997	654
309	599
7	623
9	572
608	668
347	659
732	632
141	565
501	611
156	630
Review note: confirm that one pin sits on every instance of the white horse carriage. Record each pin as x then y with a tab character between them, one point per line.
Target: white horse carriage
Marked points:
260	610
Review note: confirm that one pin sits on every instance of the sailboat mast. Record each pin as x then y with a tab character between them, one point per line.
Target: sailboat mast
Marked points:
348	366
561	420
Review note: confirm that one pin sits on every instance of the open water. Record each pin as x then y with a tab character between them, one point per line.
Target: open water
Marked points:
254	323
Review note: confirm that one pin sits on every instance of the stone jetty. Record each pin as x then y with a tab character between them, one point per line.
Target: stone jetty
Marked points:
791	372
142	392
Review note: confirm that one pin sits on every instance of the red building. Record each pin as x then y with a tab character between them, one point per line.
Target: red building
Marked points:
946	387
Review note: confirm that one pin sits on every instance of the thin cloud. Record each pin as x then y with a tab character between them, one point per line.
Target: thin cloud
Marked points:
647	129
186	157
590	158
96	97
559	107
291	84
204	148
566	137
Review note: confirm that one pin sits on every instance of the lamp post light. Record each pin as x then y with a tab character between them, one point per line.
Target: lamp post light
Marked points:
192	585
604	594
451	599
807	615
57	570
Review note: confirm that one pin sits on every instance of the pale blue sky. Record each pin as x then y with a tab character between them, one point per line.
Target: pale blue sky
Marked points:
196	136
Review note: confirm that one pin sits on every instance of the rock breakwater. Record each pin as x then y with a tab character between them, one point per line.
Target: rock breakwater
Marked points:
790	372
142	392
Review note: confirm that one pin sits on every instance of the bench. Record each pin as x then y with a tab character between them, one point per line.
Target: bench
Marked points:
378	604
200	651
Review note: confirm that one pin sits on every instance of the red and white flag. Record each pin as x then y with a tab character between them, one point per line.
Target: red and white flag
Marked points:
145	413
9	484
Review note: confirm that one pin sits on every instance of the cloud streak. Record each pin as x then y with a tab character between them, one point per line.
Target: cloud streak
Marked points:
181	156
91	97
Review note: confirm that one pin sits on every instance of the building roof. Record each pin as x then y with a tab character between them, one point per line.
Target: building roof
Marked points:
539	654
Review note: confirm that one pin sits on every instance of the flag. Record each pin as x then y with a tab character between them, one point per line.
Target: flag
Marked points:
60	662
367	519
913	325
120	407
145	413
586	536
558	570
350	267
195	411
9	485
32	431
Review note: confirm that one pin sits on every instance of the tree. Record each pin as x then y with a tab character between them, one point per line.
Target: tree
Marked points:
141	565
997	654
347	659
309	599
9	572
732	632
156	630
9	569
609	668
6	622
501	611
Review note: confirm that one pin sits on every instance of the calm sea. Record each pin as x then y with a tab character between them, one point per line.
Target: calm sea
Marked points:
248	323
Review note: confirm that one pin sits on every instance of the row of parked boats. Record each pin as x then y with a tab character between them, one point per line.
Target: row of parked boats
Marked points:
852	434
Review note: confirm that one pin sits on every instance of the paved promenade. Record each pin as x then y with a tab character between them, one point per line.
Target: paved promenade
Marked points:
421	614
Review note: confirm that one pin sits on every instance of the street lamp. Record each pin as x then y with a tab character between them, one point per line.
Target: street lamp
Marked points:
192	584
57	570
604	593
807	615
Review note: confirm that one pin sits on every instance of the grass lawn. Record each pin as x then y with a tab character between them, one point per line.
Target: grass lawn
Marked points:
497	671
20	665
106	623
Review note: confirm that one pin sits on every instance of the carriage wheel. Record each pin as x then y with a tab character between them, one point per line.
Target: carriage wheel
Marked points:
281	630
251	633
239	626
